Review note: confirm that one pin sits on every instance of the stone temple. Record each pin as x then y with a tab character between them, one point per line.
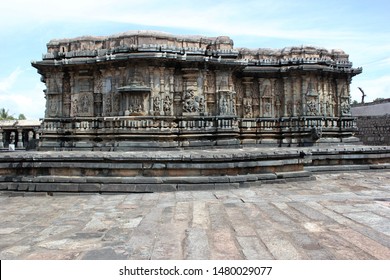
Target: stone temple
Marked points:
155	90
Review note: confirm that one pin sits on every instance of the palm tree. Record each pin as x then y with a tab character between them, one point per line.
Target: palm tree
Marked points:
4	115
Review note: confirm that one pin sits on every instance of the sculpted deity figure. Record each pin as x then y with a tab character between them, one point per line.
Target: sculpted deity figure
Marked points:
85	104
156	104
75	107
345	108
312	108
167	106
223	108
248	109
267	109
189	102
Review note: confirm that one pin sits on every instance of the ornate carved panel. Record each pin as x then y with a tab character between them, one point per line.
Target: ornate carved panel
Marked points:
193	103
54	105
85	104
227	103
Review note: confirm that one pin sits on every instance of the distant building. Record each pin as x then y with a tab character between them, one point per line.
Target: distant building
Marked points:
19	134
373	122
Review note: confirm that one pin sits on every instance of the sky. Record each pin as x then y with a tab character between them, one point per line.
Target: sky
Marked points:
360	28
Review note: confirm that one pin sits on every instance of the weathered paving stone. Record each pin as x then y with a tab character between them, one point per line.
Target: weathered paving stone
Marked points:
196	245
253	248
102	254
338	216
279	245
377	222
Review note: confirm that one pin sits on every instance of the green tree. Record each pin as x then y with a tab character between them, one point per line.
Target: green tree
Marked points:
22	117
4	115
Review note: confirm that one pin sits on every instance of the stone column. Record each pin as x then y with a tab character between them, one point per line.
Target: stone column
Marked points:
247	102
151	84
1	139
295	95
162	79
19	144
303	95
286	83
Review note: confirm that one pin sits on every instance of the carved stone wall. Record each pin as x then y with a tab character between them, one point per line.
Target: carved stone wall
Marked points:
144	85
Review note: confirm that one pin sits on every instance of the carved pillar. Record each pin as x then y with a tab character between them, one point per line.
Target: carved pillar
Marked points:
98	89
152	108
171	80
286	84
248	100
162	80
303	95
1	139
66	95
168	99
209	91
343	97
295	95
261	114
19	144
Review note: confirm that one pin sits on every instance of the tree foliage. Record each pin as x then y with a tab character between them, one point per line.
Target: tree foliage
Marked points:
5	115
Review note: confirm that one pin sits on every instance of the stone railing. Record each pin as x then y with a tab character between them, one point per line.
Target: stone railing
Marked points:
200	129
140	123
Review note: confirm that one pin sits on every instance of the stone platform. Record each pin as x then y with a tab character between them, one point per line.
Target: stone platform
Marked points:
176	170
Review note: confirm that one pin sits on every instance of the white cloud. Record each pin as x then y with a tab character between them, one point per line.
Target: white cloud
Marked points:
373	88
19	99
7	82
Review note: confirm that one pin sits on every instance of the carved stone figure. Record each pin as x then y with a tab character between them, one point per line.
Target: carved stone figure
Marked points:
312	108
248	109
156	104
167	106
289	108
192	103
75	107
85	104
53	107
267	109
224	107
316	133
345	108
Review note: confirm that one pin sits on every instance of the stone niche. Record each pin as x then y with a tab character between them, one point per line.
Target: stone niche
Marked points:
154	90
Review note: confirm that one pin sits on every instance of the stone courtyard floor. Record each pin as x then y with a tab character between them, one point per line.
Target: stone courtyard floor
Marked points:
337	216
